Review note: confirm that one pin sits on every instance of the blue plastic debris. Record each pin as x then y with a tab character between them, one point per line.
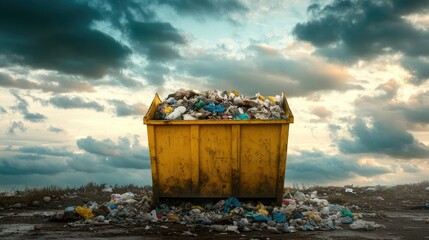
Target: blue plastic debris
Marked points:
242	116
70	209
346	220
214	108
260	218
231	203
279	217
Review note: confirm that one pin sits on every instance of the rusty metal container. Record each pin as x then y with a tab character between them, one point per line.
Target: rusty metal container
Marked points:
218	158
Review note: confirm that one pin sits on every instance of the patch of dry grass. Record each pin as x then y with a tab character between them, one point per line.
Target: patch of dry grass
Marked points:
89	192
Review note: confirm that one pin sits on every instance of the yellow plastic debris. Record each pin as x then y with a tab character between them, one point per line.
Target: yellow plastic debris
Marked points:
271	98
315	217
261	209
235	93
168	110
198	207
173	218
85	212
262	98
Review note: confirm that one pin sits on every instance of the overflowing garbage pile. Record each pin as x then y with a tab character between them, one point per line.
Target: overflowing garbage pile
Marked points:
219	105
298	212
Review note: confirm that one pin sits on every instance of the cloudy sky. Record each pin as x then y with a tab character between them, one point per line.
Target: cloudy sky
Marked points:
76	77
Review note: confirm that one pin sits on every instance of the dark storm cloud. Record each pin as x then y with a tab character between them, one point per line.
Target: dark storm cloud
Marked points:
119	11
316	166
156	72
100	156
16	125
29	164
413	112
55	129
158	40
54	85
72	38
418	67
137	20
2	110
267	71
59	152
66	102
410	6
7	82
121	80
380	126
383	136
205	8
34	117
123	109
124	154
22	107
88	163
57	35
60	36
349	30
410	168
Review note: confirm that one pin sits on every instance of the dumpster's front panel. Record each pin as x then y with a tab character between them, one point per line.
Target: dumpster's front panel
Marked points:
259	160
173	160
215	160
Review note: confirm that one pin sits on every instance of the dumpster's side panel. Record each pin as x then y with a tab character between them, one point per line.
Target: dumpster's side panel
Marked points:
152	109
215	161
173	151
152	152
259	154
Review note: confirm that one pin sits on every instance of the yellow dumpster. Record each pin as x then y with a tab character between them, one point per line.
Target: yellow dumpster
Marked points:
217	158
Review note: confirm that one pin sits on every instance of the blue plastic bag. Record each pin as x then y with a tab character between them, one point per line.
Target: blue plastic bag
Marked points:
260	218
231	203
211	107
279	217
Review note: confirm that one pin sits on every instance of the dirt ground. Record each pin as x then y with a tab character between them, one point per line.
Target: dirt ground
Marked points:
401	209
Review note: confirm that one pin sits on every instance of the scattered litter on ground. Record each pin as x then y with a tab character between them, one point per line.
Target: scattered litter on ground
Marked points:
365	225
188	233
44	214
298	212
208	219
349	190
380	198
107	189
